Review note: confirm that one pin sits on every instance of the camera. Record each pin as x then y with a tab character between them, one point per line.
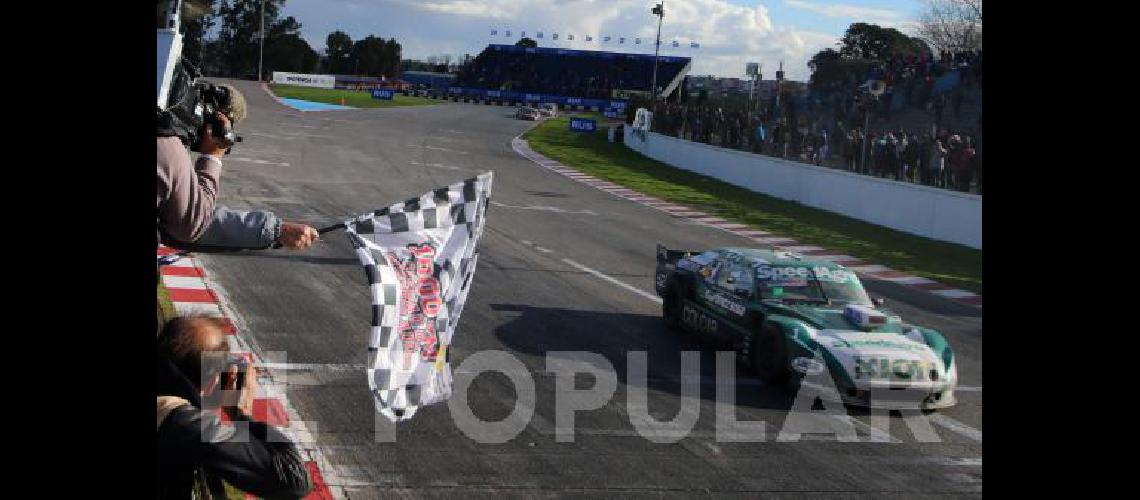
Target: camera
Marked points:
192	105
242	364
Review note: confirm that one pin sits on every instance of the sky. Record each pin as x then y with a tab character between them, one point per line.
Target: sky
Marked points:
730	32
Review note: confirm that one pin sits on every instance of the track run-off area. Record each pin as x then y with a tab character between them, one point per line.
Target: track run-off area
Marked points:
563	267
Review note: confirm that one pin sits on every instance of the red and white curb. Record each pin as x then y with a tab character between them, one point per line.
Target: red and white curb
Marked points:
860	267
193	293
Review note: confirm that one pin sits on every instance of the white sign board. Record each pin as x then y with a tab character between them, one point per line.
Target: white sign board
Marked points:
322	81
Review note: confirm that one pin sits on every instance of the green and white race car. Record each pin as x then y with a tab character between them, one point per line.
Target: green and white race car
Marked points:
789	316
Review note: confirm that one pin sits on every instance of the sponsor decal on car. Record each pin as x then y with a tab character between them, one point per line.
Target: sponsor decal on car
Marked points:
886	368
765	272
724	302
885	343
688	265
808	366
698	320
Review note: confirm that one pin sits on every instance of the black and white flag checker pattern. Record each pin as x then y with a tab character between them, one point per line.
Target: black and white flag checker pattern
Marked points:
419	257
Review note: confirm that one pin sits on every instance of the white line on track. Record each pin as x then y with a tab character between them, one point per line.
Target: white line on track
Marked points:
956	427
257	161
615	281
437	148
546	209
435	165
877	435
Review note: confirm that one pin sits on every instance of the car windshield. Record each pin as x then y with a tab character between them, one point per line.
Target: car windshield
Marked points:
818	283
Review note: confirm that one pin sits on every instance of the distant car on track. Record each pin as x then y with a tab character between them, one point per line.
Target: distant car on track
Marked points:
787	316
528	113
548	110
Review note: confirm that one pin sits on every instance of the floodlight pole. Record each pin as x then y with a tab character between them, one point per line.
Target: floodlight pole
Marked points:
657	50
261	44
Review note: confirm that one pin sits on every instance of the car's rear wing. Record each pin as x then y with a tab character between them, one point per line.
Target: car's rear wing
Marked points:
666	265
667	256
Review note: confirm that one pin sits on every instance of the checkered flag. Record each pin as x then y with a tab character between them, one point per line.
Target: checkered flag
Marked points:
419	257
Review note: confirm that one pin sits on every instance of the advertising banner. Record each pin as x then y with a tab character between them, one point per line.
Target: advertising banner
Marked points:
322	81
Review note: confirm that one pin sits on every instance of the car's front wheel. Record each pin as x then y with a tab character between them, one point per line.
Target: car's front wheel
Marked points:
770	356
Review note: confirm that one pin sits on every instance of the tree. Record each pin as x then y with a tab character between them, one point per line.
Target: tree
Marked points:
871	41
291	53
238	33
376	56
952	24
862	46
829	66
526	43
197	19
338	49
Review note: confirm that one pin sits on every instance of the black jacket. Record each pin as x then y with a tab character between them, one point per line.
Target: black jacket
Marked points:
192	442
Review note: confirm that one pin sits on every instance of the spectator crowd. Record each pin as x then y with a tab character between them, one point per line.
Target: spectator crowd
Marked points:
585	74
827	128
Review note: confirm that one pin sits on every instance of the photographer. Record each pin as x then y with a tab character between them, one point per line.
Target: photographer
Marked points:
196	451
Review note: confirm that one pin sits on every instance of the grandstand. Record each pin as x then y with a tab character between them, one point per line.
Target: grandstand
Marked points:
572	73
434	81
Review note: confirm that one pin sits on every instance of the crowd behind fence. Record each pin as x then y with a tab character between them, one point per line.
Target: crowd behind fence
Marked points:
827	127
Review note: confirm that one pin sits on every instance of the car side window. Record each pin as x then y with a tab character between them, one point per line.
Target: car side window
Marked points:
742	276
734	274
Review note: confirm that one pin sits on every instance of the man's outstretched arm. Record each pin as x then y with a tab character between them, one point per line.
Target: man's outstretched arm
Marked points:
249	230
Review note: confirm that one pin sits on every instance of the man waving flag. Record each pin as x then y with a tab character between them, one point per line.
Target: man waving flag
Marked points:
419	257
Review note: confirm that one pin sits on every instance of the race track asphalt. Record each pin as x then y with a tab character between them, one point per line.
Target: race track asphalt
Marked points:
537	289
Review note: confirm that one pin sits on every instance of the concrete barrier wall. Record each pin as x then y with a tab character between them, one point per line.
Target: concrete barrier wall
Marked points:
934	213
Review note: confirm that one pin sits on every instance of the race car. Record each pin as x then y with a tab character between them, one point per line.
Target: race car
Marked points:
528	113
793	319
548	110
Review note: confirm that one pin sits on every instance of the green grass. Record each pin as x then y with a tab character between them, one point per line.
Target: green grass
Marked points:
165	306
354	98
954	265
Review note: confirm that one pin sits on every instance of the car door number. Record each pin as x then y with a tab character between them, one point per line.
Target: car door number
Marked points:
698	320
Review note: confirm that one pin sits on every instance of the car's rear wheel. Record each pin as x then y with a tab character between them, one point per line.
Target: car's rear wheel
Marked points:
671	306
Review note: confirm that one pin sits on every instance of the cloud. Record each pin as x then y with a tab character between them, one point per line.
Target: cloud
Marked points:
730	35
845	11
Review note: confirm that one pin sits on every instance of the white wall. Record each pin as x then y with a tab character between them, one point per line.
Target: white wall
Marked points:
934	213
